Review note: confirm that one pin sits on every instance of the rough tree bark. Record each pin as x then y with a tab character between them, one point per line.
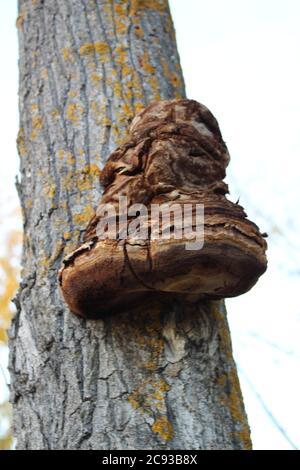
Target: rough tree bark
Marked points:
162	377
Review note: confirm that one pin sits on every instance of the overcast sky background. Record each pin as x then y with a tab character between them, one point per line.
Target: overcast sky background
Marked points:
241	59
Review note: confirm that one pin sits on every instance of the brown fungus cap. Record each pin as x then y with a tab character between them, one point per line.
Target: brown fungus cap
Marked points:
174	155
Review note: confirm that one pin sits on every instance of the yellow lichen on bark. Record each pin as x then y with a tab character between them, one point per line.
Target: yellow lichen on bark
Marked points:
231	395
138	106
84	216
233	400
21	143
55	113
72	112
137	6
98	48
150	396
29	203
66	155
173	77
95	78
44	73
36	125
81	180
67	54
20	20
67	235
163	428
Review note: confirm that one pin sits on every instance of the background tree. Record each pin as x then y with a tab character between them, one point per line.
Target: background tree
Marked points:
160	377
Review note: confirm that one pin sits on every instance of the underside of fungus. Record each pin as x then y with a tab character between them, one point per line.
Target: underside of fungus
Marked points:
174	155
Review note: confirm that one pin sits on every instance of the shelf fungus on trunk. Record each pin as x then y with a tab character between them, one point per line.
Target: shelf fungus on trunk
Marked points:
140	242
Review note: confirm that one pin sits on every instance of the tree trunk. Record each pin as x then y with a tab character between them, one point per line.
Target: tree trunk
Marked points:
159	378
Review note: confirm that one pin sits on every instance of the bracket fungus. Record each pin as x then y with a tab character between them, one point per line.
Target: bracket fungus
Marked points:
174	156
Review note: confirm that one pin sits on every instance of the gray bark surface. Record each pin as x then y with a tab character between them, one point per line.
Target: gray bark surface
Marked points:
162	376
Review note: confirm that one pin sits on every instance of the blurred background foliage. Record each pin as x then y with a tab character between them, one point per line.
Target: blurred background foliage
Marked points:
9	279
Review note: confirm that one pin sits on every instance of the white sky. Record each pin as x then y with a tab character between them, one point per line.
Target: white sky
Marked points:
241	59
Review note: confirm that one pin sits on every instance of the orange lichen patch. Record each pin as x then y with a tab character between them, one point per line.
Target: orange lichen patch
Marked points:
137	85
20	20
173	77
127	112
156	348
119	138
37	125
92	169
149	397
120	19
243	436
133	402
29	203
21	143
70	158
120	26
87	49
163	428
119	9
60	153
72	241
50	191
84	217
117	88
127	92
148	67
138	31
97	112
44	73
66	53
145	63
147	337
127	71
67	235
138	106
121	55
106	121
98	48
230	392
154	84
55	113
169	27
66	155
234	401
72	112
137	6
95	78
81	180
